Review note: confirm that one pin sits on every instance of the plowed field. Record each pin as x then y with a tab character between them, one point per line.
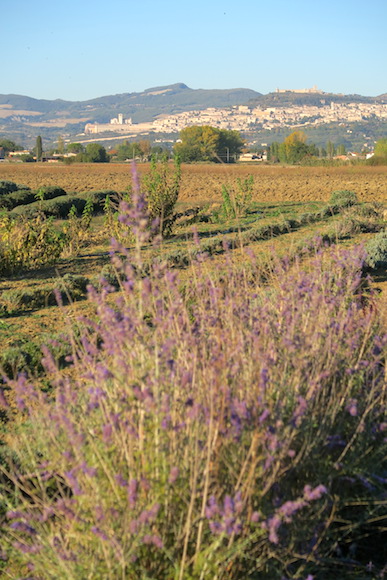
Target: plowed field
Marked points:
204	182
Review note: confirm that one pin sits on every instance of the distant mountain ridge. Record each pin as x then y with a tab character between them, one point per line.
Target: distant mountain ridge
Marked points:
23	117
154	101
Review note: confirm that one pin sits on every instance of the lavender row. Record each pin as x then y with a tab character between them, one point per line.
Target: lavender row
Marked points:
231	430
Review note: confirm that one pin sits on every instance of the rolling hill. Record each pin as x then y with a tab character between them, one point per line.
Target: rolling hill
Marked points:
22	118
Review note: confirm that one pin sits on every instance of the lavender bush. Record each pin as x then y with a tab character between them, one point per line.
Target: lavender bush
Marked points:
223	430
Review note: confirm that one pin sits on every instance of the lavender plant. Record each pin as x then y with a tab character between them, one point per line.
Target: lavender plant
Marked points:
205	433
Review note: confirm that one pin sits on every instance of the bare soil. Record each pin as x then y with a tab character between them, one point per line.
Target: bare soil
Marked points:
203	183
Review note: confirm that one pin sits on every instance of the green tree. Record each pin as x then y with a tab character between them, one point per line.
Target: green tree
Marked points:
60	145
294	148
273	152
128	150
95	153
330	149
341	150
75	148
205	143
157	151
381	148
39	148
145	148
9	145
198	143
230	145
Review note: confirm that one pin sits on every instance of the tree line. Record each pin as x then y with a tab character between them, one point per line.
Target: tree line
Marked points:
295	149
195	144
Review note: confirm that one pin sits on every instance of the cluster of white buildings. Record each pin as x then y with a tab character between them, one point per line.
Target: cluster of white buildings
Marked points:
118	125
245	118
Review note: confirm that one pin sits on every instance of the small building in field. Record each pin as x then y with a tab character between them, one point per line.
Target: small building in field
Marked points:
18	153
253	157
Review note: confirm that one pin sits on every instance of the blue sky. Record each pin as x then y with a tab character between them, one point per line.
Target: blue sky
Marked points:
82	49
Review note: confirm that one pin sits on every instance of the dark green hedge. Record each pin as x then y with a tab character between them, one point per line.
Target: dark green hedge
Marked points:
15	195
20	197
60	206
9	187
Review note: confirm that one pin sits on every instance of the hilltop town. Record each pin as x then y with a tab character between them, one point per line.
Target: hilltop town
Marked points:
247	118
162	112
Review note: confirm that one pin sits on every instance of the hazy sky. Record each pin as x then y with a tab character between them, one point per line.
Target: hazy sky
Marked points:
82	49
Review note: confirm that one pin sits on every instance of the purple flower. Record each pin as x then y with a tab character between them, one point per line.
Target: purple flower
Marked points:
87	470
121	480
132	492
134	526
273	525
212	508
154	540
351	407
26	548
289	508
73	482
264	415
23	527
13	515
99	533
314	494
225	519
107	432
173	475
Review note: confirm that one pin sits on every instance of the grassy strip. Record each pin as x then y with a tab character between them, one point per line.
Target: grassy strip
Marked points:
218	244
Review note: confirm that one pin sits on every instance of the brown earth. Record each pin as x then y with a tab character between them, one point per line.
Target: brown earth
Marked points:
203	183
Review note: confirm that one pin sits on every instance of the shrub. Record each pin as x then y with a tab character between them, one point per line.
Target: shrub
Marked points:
377	160
26	355
51	191
7	187
68	288
162	187
226	431
60	205
227	209
243	195
22	299
351	224
236	199
19	197
72	286
22	357
27	197
377	251
57	208
343	198
107	275
27	243
367	210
